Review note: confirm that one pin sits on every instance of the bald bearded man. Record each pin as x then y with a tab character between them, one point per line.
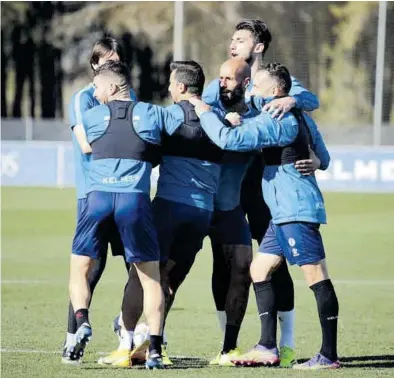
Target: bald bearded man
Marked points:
230	236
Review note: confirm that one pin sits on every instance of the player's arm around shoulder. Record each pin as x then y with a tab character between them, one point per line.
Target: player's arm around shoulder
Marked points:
177	113
210	95
150	121
276	132
80	135
96	121
298	97
221	114
81	101
304	99
254	133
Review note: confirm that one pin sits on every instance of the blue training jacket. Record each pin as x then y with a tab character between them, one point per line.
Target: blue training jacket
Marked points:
185	180
290	196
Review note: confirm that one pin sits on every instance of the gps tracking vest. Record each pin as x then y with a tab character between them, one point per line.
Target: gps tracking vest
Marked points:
120	140
298	150
190	140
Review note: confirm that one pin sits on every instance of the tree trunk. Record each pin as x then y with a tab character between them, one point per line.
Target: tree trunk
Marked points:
20	70
46	64
144	58
3	78
388	85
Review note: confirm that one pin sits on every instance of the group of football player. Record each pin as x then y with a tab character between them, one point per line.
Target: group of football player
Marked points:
240	147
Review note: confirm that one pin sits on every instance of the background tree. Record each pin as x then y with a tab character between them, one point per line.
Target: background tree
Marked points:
329	47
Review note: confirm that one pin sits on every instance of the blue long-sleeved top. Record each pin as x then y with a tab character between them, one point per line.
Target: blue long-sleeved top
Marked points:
318	145
185	180
305	100
290	196
232	173
305	97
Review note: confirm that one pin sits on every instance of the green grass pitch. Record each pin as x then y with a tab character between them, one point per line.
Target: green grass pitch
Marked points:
37	229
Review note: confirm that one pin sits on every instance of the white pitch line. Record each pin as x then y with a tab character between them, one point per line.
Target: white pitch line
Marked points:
357	282
39	351
25	282
28	351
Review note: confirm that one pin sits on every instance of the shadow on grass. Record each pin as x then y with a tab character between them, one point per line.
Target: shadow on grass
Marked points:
189	363
178	363
383	362
380	362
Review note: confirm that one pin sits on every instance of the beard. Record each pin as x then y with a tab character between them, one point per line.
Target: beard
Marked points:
248	59
231	98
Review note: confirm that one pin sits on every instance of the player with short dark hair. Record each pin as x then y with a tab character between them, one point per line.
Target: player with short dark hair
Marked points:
189	174
124	136
259	30
191	74
297	209
106	48
188	181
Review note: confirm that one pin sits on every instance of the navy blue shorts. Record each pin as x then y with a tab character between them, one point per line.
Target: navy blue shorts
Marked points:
230	227
299	242
109	233
112	236
181	229
132	215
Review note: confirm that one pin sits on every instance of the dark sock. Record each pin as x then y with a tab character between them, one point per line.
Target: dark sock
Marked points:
283	287
82	316
155	343
72	323
328	308
265	299
230	338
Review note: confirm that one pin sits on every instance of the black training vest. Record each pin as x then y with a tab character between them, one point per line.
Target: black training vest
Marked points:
120	140
297	150
190	140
